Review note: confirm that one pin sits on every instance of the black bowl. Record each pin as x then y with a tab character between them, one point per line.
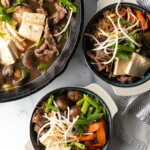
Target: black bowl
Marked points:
59	65
33	135
87	44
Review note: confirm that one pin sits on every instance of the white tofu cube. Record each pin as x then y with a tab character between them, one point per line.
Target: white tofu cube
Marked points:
8	53
32	26
137	66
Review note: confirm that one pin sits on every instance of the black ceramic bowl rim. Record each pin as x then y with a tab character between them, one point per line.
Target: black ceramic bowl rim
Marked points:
95	17
58	67
32	138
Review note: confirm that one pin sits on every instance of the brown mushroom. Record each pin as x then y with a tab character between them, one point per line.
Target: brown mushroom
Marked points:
62	102
8	71
74	95
18	14
29	60
75	111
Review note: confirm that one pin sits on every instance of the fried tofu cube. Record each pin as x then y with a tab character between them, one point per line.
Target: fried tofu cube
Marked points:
8	52
137	66
32	26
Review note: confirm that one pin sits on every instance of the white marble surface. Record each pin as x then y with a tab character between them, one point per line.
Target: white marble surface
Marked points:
15	116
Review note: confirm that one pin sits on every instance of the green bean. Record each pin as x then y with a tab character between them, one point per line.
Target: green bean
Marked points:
123	56
82	116
144	40
125	22
90	111
50	107
85	107
95	117
91	101
98	110
123	48
50	100
82	122
80	102
79	145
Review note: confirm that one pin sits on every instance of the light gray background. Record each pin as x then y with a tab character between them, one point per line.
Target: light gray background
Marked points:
15	116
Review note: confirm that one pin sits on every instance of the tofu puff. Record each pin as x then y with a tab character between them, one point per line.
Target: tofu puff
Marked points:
32	35
120	44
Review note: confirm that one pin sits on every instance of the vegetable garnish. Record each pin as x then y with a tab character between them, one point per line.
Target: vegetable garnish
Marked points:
41	41
68	4
42	68
25	73
20	1
6	17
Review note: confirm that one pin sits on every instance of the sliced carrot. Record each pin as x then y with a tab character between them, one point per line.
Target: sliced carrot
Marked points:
97	145
132	20
93	127
87	138
102	133
143	21
122	12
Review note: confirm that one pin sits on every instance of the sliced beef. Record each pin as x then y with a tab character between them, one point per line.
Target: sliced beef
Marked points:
38	117
49	48
125	79
60	13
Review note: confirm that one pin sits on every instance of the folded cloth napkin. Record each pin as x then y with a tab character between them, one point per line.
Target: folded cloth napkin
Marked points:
132	122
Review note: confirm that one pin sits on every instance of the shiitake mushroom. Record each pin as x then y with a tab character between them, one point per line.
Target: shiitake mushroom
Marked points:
62	102
75	111
74	95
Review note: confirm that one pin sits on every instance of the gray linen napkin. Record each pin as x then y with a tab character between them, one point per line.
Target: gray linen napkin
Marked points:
132	122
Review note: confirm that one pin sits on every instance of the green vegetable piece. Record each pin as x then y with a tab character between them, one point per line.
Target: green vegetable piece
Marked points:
79	145
82	122
123	48
42	68
98	110
20	1
125	22
80	102
85	107
50	107
91	101
59	38
25	73
6	17
11	9
106	58
82	116
50	100
137	50
68	4
144	40
95	117
123	56
91	109
39	44
130	44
